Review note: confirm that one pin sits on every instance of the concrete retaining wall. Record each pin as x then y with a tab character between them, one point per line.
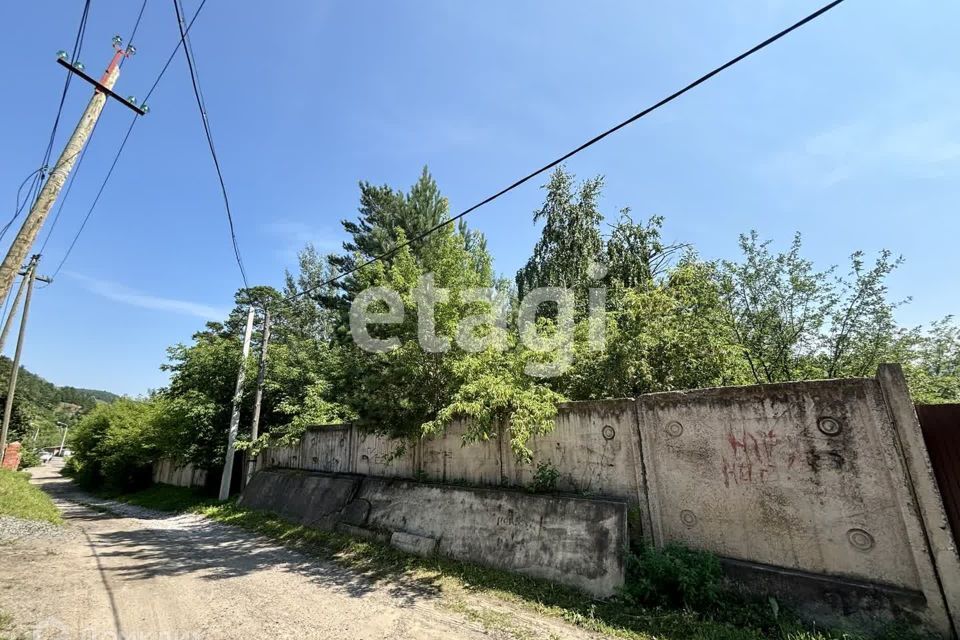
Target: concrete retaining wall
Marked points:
824	479
575	541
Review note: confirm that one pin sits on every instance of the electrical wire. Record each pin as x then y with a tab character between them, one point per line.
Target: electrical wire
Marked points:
123	143
188	53
74	56
96	199
6	305
592	141
66	192
73	174
136	26
40	174
20	204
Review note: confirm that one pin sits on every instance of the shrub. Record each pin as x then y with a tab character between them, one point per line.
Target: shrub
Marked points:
115	445
29	458
545	477
675	577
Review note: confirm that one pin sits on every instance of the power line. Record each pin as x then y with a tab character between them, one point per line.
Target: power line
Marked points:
173	53
136	26
126	137
74	56
592	141
83	154
66	192
96	199
40	174
20	204
188	53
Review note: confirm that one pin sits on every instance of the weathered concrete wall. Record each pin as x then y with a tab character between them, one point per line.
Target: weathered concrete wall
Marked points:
168	472
824	479
575	541
800	476
312	499
923	494
594	447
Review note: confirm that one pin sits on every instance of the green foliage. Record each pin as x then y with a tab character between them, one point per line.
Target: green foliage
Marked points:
115	445
20	499
29	458
671	321
570	241
41	407
386	214
676	577
408	391
668	335
21	420
931	361
795	322
545	477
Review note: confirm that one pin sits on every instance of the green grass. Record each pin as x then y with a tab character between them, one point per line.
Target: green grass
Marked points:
6	624
21	499
164	497
454	579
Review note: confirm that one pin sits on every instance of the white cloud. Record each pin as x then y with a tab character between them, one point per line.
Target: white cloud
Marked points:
126	295
873	148
917	136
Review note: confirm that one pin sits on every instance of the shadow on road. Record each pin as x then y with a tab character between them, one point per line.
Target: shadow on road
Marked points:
132	543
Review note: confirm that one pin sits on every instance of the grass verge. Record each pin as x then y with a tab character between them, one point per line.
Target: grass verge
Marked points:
21	499
454	579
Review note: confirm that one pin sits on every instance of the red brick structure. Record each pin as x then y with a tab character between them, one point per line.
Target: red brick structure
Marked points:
11	457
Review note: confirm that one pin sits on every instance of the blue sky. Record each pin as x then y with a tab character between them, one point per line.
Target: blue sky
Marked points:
847	131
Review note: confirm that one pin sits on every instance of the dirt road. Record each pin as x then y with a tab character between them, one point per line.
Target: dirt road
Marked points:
138	574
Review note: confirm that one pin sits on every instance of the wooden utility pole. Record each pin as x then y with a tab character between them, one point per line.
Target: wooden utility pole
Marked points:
261	374
235	415
15	367
51	188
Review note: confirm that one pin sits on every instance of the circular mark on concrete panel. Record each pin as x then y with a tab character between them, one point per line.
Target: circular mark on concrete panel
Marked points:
860	539
608	432
829	426
688	518
674	429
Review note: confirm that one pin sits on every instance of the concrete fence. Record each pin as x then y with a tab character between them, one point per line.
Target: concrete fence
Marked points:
819	491
179	475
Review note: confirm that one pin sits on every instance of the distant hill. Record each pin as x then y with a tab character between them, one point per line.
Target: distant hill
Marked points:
40	405
75	395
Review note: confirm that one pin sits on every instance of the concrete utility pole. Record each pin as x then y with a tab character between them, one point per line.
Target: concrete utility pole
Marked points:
13	311
51	188
63	440
15	368
255	427
235	415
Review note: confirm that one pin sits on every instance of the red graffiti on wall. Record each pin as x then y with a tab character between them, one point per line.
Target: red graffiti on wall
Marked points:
757	457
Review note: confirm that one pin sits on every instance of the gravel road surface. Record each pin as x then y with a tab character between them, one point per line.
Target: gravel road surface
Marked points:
138	574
